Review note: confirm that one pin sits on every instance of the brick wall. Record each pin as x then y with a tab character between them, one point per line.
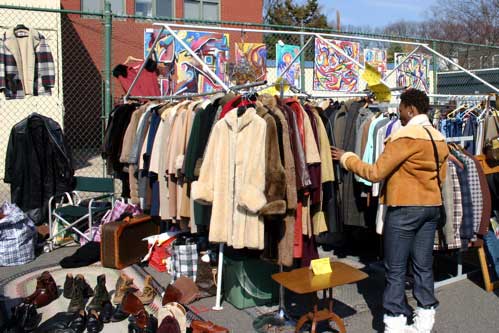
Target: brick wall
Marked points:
242	11
86	38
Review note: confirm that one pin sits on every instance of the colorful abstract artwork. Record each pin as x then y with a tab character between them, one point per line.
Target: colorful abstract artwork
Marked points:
332	70
184	73
284	56
255	55
414	72
377	59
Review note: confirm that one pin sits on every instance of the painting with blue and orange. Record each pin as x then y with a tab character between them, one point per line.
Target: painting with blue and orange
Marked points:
376	58
414	72
284	56
184	73
332	70
255	55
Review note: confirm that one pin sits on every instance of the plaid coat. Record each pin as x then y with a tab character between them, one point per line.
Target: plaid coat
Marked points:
37	78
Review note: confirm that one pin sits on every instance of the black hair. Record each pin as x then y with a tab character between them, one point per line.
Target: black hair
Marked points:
416	98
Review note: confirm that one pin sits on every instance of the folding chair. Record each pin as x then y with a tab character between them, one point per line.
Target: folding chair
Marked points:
72	213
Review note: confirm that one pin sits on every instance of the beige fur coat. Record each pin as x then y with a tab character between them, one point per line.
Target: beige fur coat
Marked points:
232	177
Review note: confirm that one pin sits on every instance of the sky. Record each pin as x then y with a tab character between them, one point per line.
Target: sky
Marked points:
376	13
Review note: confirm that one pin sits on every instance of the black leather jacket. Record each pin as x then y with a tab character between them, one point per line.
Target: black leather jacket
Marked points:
38	164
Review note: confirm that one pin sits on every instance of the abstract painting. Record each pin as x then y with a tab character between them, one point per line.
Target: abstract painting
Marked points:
377	59
255	56
184	73
332	70
284	55
414	72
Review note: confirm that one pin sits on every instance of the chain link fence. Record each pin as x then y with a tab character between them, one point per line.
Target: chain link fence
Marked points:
76	100
77	42
82	69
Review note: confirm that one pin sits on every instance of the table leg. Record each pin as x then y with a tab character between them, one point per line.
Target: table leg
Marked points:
303	319
339	322
314	325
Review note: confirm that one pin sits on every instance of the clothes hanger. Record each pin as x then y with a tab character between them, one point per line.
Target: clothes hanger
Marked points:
247	100
459	108
130	58
21	27
470	110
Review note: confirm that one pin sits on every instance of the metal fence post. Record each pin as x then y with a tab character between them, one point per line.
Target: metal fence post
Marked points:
108	33
435	68
302	60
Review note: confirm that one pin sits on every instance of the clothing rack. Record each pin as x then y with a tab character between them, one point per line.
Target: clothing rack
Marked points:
171	97
209	93
460	139
168	26
459	256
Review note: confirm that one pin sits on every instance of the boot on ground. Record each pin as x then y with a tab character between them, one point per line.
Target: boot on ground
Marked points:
397	324
101	295
424	319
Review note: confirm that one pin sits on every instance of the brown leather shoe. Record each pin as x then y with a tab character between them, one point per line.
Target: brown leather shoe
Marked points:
123	284
172	294
207	327
132	305
46	291
148	293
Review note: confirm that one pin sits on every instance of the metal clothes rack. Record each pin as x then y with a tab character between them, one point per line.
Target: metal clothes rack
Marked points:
226	88
323	37
459	275
209	93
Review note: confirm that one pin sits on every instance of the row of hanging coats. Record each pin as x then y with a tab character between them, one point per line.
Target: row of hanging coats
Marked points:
256	171
467	199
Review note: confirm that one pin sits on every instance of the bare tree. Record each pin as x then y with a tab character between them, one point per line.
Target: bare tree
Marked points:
478	19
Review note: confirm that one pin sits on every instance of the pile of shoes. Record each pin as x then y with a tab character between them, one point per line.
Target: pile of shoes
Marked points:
100	310
129	303
173	315
24	317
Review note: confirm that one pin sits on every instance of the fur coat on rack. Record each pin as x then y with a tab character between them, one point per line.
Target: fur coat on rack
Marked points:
232	177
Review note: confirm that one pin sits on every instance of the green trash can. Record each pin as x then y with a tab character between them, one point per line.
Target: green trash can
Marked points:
247	282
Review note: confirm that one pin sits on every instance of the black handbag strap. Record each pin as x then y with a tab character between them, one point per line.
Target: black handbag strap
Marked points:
441	236
435	153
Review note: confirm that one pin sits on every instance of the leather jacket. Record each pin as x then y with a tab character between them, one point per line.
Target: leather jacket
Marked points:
38	164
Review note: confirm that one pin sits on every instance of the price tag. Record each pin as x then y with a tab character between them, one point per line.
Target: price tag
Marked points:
321	266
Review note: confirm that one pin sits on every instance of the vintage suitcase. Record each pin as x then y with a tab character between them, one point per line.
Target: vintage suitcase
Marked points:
121	241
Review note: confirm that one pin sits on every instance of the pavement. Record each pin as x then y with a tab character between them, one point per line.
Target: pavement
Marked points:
464	306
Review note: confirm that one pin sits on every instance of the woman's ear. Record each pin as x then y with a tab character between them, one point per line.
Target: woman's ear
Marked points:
414	110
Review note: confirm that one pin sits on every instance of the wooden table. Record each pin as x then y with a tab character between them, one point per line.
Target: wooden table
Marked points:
303	281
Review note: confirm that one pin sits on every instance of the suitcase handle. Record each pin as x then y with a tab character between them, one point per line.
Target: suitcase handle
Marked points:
131	220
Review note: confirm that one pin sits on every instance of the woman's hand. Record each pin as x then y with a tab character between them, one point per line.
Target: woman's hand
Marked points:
336	153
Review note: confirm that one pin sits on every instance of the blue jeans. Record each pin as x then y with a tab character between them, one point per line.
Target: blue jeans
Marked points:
409	231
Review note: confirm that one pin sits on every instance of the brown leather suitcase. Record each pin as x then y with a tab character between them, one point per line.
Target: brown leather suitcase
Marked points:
121	241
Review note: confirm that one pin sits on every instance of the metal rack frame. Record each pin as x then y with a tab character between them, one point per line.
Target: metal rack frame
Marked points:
226	88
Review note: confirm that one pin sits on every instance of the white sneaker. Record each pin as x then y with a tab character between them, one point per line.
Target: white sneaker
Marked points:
424	319
397	324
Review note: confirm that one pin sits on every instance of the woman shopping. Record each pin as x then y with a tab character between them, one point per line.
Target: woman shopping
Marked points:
411	192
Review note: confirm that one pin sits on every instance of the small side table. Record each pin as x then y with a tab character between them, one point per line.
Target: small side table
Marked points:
303	281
